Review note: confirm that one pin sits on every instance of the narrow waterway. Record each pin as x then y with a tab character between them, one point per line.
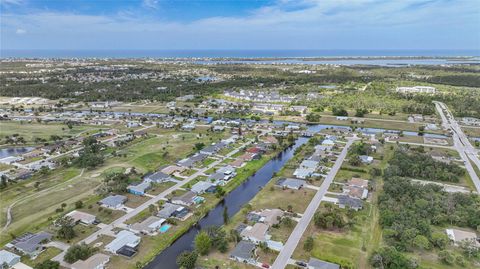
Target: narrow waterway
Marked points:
13	151
234	201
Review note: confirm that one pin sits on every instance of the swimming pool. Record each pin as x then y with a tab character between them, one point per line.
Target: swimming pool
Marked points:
164	228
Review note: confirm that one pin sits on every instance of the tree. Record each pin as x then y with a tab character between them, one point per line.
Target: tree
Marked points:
47	264
199	146
225	215
66	230
152	209
390	258
360	112
339	111
308	244
354	160
439	240
203	243
187	260
78	204
421	242
313	117
446	257
78	252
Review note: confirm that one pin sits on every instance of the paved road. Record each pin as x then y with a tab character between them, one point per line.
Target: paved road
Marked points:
157	198
460	142
420	144
292	242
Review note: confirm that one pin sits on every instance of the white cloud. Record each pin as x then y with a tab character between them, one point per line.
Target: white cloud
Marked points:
20	31
153	4
287	24
11	2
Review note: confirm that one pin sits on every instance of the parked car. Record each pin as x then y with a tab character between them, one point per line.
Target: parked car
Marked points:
301	263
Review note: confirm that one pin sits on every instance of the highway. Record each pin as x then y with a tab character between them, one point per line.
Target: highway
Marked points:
460	142
292	242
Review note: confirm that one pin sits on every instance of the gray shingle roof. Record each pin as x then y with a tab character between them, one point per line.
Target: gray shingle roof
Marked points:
318	264
243	250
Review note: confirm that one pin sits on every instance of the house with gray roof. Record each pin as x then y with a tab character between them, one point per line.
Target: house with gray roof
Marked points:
366	159
311	164
290	183
192	160
244	252
350	202
158	177
201	187
172	211
319	264
186	199
30	244
113	201
139	189
124	239
303	172
148	226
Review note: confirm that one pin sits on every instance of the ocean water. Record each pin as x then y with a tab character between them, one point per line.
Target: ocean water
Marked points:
8	53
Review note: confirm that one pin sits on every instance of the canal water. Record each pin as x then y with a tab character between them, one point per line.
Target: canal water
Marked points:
235	200
7	152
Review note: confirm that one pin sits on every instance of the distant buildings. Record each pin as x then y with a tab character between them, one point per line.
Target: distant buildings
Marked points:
416	89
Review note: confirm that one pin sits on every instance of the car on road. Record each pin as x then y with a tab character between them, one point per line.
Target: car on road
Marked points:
264	265
301	263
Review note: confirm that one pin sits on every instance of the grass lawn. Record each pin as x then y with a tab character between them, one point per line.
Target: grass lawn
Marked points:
159	188
135	200
29	131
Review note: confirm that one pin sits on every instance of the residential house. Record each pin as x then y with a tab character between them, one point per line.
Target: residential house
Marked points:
188	199
271	216
244	252
139	189
366	159
458	236
113	201
249	156
9	259
96	261
202	187
303	173
125	243
82	217
172	169
191	161
319	264
290	183
256	233
30	244
173	211
148	226
345	201
158	177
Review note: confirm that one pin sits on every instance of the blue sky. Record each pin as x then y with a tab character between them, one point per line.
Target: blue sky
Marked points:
242	24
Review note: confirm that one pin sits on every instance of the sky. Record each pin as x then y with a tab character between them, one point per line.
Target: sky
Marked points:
239	24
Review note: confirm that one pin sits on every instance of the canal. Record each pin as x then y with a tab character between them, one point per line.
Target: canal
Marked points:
234	201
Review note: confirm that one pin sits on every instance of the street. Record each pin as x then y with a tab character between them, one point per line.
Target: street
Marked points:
292	242
461	143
